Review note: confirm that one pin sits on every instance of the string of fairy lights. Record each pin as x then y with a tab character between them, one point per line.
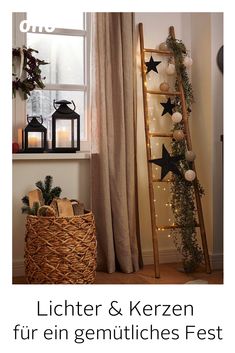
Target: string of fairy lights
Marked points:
169	69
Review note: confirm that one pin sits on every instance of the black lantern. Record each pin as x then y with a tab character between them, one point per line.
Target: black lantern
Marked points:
35	135
65	128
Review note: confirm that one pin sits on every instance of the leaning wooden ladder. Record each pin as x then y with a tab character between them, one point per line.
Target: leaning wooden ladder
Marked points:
148	136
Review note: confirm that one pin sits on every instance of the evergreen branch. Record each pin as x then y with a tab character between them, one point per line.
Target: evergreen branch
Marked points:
40	186
48	183
25	200
31	211
182	191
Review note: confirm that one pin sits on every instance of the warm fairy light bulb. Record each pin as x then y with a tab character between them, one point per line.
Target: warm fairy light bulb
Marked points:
169	235
169	219
159	187
164	189
155	200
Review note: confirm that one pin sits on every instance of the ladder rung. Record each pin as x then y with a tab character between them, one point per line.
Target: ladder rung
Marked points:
164	93
163	52
174	227
158	134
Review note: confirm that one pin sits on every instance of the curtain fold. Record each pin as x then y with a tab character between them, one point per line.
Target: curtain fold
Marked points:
113	168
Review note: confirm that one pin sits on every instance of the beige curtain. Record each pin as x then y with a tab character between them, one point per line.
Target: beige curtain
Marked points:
113	170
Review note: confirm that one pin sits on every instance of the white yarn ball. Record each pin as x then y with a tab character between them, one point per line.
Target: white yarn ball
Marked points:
190	156
190	175
178	135
188	62
170	70
176	117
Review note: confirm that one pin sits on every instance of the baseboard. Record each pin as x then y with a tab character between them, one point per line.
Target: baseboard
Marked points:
165	256
217	261
171	255
18	268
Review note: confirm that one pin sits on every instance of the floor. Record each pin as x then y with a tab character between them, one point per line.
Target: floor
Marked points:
170	274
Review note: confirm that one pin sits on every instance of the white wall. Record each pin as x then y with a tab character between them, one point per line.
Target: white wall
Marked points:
217	109
202	34
207	122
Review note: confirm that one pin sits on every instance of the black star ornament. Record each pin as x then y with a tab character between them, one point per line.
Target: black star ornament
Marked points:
168	107
167	163
152	65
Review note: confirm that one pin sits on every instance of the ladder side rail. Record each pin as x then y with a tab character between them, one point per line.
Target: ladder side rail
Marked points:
148	150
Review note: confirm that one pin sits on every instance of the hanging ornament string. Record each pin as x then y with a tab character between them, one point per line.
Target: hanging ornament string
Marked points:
29	75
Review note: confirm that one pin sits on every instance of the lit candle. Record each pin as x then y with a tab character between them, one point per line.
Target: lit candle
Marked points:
34	141
62	138
19	138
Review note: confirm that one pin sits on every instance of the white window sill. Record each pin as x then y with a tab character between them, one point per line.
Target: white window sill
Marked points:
50	156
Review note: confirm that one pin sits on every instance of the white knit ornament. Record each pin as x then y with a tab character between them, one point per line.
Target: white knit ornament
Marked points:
188	62
190	175
190	156
170	70
176	117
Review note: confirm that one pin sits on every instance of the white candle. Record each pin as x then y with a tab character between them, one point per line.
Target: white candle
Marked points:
19	138
33	141
62	138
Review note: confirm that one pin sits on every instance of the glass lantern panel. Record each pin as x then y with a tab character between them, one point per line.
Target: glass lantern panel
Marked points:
65	55
64	133
35	139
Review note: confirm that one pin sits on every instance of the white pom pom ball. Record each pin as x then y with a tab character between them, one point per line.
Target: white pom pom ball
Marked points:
190	156
170	70
190	175
188	62
164	87
163	46
178	135
176	117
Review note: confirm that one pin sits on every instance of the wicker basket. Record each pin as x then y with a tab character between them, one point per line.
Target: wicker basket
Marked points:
60	250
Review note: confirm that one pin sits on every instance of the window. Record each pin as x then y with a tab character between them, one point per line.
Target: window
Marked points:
66	75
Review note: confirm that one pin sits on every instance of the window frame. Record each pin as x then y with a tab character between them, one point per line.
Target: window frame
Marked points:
19	106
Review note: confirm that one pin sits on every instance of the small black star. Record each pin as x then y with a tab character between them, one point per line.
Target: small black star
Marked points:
152	65
168	107
167	163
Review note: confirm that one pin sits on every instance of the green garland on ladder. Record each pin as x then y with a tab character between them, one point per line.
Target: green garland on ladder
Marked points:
182	191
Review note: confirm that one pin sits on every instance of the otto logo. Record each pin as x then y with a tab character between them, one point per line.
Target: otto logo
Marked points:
25	26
